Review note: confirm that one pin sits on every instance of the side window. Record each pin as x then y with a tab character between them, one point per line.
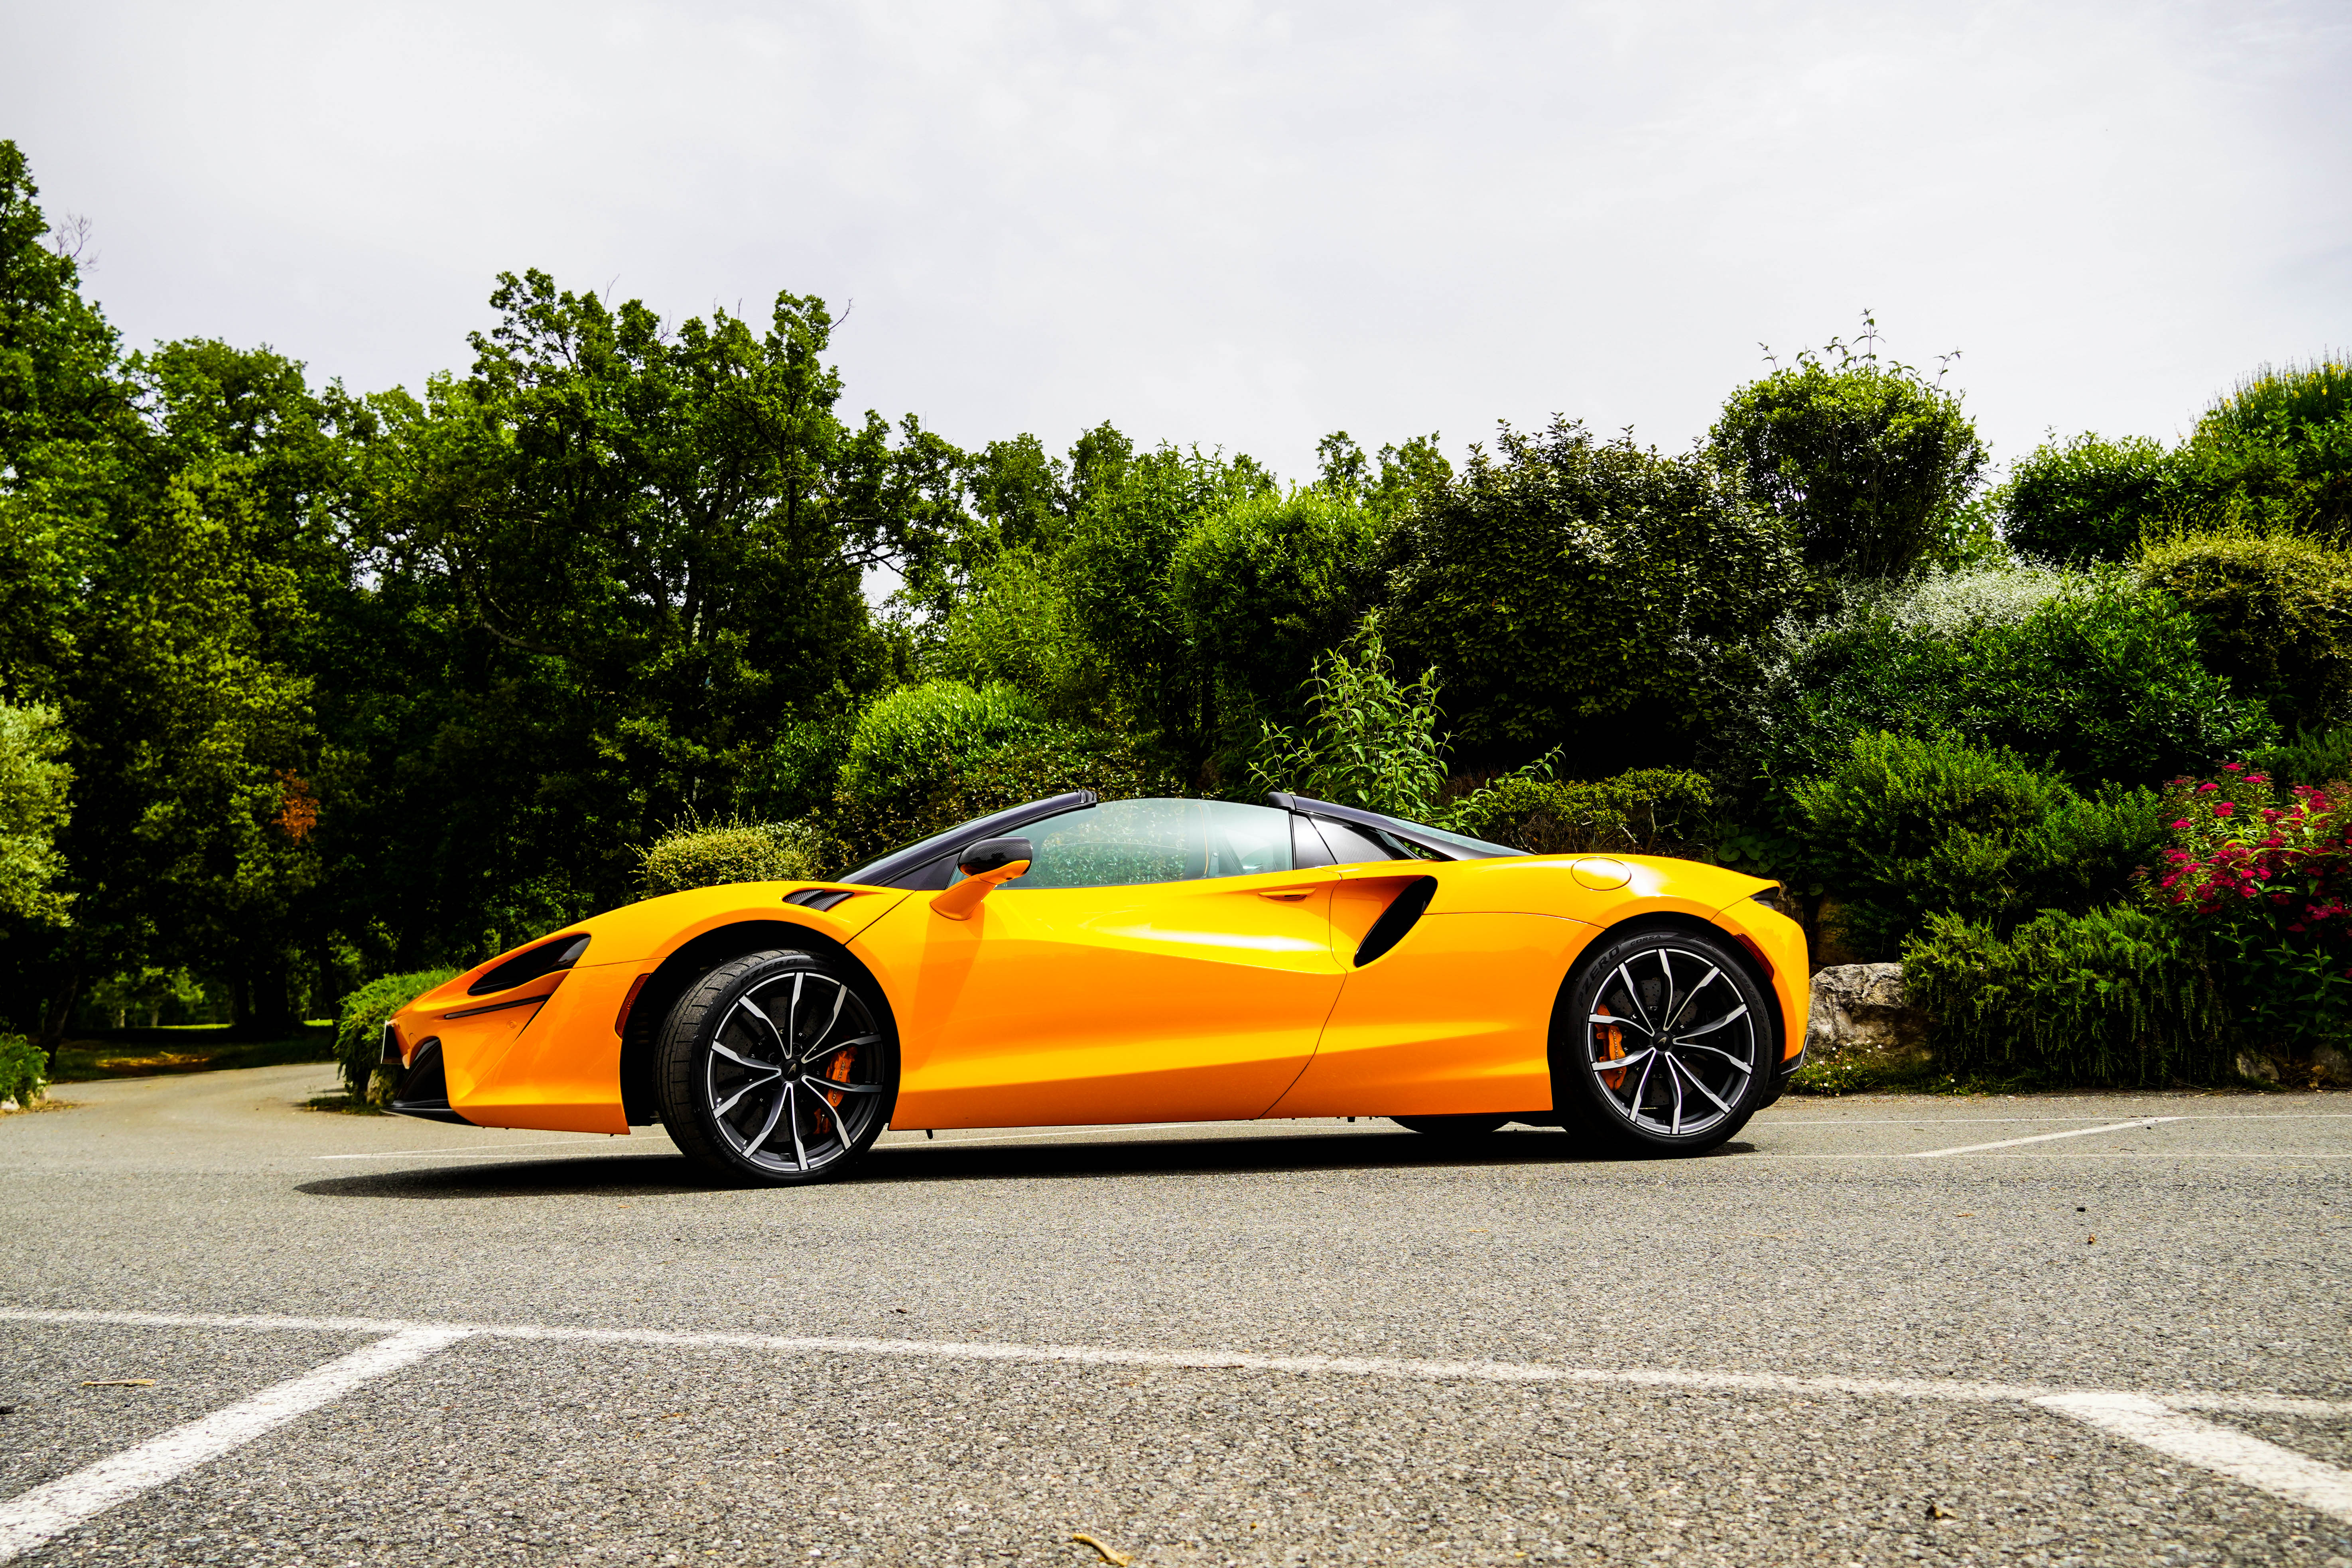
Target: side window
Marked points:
1124	842
1351	845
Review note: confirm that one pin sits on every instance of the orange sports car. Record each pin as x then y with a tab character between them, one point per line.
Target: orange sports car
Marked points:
1077	960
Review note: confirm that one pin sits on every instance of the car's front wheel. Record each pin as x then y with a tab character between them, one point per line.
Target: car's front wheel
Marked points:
1662	1042
777	1067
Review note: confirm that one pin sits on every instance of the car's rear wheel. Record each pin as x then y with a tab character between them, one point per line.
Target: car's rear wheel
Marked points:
1662	1042
1467	1125
779	1067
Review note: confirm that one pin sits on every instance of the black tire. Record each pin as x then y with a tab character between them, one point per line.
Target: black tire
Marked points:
755	1097
1471	1125
1697	994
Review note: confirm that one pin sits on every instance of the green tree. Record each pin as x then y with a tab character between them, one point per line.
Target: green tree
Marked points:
621	560
1267	583
1581	592
1868	461
34	785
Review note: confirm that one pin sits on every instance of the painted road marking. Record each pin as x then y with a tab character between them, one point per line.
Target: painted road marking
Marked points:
51	1509
2141	1124
2152	1421
2282	1472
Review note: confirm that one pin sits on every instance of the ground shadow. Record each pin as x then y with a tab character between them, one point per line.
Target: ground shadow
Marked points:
623	1175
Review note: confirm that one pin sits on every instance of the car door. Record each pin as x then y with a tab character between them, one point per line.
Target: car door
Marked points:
1162	961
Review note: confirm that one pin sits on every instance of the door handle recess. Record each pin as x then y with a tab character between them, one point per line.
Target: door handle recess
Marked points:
1287	895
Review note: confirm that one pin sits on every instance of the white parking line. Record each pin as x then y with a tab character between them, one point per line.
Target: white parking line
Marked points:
2142	1123
49	1510
2282	1472
2152	1420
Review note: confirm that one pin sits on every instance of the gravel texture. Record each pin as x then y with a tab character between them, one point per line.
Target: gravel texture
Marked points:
2204	1253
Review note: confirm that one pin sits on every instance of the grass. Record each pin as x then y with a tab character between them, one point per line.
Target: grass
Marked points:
207	1049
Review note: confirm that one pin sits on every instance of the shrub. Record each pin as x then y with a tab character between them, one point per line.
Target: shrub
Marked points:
917	735
2273	615
1864	461
2086	500
696	854
2093	677
1369	741
1050	763
2309	757
2268	879
1267	583
33	808
1905	827
359	1032
2116	995
1648	811
1577	590
23	1070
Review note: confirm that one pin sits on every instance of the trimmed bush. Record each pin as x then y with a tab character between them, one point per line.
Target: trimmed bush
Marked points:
917	736
1905	828
23	1070
2117	996
708	855
1648	811
2086	500
359	1032
2273	615
1048	763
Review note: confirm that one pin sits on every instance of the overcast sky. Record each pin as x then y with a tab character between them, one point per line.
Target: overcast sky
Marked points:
1235	224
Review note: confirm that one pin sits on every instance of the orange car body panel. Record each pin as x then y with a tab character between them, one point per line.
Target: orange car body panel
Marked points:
1230	997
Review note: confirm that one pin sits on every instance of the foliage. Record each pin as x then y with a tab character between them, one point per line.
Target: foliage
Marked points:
1018	627
2308	757
1268	582
23	1070
2086	500
2277	448
2116	995
1865	460
1369	741
698	854
33	786
1911	826
359	1031
1046	762
2091	677
919	734
1118	574
2274	616
1583	593
2268	877
1387	486
1645	811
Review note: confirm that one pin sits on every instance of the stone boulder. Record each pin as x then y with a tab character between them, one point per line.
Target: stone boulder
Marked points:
1858	1011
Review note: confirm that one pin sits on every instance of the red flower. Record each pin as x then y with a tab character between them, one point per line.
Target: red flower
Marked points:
2223	809
2233	767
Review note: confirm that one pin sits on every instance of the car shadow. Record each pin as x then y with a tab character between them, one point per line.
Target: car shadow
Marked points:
952	1160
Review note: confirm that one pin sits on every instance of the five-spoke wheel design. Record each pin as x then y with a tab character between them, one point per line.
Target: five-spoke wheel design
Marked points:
1665	1042
774	1066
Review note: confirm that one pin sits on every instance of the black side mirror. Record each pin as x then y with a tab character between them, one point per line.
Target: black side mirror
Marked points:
992	854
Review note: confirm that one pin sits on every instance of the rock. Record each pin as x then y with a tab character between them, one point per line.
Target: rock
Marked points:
1858	1010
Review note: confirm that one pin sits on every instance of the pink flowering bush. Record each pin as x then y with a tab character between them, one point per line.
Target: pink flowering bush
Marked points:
2266	875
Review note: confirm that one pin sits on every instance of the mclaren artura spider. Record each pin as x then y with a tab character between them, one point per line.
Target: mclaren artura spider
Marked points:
1075	961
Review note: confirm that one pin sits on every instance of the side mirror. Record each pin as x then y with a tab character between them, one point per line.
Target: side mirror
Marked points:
984	866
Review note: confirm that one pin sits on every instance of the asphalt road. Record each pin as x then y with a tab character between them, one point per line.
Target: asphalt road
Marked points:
1273	1343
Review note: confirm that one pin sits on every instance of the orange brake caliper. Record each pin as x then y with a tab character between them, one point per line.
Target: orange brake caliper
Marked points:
838	1070
1612	1046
